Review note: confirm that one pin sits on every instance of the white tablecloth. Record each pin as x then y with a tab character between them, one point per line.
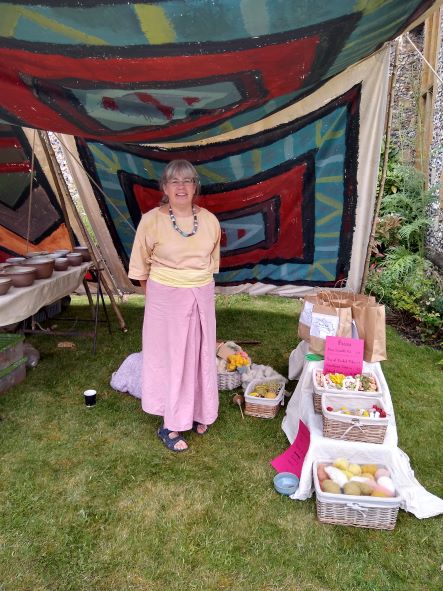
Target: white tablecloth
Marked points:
300	406
21	302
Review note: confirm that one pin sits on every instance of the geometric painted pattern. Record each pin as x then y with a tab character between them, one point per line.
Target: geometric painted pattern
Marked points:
293	187
178	70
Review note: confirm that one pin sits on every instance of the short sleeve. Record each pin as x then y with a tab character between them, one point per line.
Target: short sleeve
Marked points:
140	261
215	255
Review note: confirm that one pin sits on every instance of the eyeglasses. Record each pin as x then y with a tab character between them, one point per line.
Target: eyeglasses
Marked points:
185	182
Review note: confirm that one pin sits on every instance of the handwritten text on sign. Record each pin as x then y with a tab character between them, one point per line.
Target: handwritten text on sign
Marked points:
343	355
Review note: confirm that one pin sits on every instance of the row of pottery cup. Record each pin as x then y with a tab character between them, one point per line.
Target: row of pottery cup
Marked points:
23	271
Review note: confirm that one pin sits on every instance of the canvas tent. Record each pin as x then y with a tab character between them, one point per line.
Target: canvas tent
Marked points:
280	105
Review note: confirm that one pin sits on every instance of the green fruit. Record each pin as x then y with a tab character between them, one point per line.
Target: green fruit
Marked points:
352	488
366	489
329	486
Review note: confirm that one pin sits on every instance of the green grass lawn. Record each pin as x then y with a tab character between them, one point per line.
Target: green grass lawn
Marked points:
91	500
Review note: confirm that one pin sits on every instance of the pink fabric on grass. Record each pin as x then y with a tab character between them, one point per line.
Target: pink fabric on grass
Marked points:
179	375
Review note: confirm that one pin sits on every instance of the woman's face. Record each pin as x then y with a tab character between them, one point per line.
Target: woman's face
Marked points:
180	190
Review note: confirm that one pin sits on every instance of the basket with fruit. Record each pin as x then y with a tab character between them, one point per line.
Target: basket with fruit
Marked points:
357	494
263	398
353	418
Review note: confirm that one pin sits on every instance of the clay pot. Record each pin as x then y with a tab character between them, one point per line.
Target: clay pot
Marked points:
32	254
22	276
84	251
75	259
61	264
15	260
44	266
5	284
61	252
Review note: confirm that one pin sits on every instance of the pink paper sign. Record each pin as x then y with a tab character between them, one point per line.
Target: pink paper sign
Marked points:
343	355
292	459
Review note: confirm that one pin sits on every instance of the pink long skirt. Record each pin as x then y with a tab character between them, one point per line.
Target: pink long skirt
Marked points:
179	376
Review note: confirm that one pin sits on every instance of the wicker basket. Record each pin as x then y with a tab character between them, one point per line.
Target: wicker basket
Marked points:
319	391
356	511
228	380
352	428
264	408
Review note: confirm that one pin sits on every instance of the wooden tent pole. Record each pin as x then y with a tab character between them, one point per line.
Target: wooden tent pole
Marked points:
388	128
64	193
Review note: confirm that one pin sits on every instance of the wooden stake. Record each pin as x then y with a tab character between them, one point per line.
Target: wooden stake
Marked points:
65	194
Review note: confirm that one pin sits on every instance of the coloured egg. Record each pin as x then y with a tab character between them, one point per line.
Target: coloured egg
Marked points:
387	483
381	472
321	474
336	475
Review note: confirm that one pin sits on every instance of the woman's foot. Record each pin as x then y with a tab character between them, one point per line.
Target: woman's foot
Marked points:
172	439
199	428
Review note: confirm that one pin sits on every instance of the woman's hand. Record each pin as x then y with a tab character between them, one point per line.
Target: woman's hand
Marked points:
143	283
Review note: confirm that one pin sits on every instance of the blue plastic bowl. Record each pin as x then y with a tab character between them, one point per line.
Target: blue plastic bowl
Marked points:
286	483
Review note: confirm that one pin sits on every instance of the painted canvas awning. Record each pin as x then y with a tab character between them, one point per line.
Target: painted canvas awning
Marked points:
265	96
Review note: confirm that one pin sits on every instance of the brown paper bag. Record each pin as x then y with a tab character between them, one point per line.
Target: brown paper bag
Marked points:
304	322
370	321
346	296
329	320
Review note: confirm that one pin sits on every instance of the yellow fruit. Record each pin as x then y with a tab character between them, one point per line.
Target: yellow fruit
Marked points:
370	468
253	394
354	469
270	395
341	463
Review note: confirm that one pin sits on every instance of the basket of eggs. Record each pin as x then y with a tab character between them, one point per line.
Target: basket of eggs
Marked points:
360	495
364	384
263	398
354	418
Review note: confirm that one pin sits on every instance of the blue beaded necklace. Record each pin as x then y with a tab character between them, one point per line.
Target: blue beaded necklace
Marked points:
179	230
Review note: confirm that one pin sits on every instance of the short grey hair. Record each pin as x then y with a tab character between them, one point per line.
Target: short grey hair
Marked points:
174	168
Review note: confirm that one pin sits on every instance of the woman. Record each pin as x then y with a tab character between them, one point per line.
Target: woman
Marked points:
175	254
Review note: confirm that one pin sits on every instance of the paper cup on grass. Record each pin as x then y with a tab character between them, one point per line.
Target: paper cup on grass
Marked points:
90	397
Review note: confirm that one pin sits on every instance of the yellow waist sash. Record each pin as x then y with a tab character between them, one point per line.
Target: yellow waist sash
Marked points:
180	277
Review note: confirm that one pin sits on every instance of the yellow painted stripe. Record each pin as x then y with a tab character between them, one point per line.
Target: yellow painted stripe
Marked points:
154	23
226	126
369	6
210	174
8	22
329	179
328	200
317	266
48	23
327	218
111	165
256	160
327	234
328	135
149	168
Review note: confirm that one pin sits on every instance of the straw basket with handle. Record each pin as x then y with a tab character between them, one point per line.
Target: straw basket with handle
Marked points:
261	406
350	427
357	511
228	380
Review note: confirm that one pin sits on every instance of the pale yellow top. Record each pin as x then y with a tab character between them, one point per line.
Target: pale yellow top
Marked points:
166	256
